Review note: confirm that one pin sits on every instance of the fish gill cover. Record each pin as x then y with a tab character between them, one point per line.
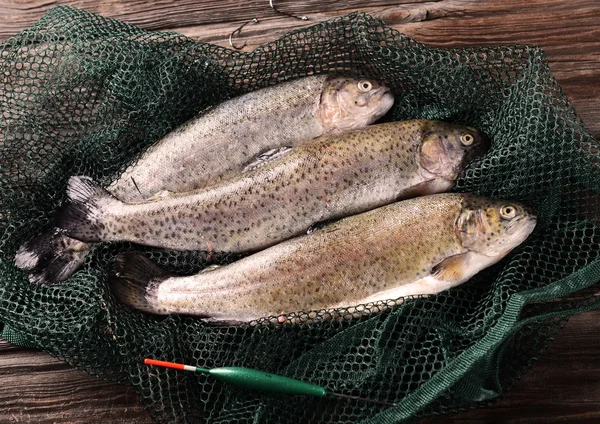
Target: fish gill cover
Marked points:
83	95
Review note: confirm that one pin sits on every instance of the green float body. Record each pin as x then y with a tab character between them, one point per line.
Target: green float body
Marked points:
264	381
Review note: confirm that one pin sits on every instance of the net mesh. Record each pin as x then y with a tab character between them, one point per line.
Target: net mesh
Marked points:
83	95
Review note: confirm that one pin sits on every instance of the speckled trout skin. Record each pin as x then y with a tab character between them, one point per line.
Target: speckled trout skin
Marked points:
416	247
227	137
220	142
330	177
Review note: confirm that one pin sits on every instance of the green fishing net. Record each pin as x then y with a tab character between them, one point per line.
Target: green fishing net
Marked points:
83	95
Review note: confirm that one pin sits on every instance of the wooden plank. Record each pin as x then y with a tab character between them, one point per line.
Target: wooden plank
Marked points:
562	387
166	14
568	31
37	388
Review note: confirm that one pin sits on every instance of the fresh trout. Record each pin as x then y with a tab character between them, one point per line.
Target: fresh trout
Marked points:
222	141
284	193
420	246
226	138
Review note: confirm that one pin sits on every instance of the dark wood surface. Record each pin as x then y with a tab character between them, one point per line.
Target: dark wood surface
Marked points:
36	388
564	386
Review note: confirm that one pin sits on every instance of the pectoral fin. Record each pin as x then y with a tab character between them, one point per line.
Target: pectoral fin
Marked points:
268	157
210	268
453	268
161	195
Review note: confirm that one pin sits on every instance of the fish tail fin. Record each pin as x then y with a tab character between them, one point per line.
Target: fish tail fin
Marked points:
80	216
136	283
51	257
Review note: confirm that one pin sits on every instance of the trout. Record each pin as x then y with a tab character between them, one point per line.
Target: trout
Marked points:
225	139
222	141
420	246
285	192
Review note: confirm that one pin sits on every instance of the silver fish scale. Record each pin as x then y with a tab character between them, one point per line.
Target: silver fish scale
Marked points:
332	177
367	253
206	147
219	143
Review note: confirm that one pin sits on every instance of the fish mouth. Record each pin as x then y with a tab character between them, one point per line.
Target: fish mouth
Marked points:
382	99
520	232
531	223
382	91
523	227
388	95
379	92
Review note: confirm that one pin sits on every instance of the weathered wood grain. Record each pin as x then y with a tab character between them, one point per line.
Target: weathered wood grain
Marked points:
36	388
569	32
164	14
563	387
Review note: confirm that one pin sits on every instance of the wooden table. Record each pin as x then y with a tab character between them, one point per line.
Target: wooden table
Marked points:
563	387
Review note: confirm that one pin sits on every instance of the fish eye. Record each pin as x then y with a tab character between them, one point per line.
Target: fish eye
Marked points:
467	139
508	211
364	86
